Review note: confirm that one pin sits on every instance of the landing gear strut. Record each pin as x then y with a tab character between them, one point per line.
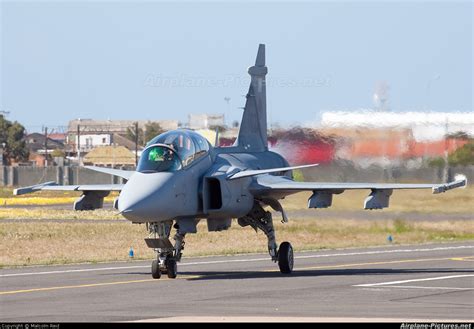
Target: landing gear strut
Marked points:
259	219
167	254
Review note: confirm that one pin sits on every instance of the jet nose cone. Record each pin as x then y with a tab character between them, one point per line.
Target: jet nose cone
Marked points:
135	211
142	197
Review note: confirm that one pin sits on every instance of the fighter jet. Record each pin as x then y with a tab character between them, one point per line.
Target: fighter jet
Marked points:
181	179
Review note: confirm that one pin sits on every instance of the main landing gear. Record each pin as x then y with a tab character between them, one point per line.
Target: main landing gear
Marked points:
259	219
167	254
285	258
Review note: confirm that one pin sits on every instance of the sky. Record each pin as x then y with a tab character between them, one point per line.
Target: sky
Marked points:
152	60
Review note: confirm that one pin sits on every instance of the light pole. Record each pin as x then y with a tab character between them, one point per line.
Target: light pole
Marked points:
446	177
2	158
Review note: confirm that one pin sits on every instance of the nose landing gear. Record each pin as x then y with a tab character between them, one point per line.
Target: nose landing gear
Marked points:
169	266
167	254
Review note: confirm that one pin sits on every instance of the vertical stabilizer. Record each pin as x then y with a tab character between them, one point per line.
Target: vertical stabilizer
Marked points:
253	128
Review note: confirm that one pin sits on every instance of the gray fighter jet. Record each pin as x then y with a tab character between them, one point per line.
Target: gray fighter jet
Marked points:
181	179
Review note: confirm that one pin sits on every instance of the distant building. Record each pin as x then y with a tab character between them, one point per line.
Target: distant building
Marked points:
35	143
110	156
205	121
425	126
58	137
95	133
89	141
388	139
115	126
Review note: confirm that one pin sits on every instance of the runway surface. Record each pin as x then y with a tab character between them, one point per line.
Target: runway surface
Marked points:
398	283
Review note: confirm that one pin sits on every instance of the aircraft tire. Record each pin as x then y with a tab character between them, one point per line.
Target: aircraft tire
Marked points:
285	258
155	269
171	268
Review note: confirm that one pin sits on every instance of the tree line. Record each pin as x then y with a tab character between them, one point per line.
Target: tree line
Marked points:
12	141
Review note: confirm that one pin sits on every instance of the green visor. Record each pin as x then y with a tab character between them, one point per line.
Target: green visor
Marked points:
156	154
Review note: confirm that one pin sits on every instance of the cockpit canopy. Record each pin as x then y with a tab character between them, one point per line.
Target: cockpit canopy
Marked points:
172	151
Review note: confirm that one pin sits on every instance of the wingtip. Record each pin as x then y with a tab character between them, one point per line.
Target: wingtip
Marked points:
461	178
460	181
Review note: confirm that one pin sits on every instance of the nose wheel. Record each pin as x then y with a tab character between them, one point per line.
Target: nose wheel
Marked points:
167	266
171	268
167	254
155	269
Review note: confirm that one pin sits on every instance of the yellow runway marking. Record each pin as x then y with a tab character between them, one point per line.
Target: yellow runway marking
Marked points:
378	263
72	287
100	284
464	259
190	277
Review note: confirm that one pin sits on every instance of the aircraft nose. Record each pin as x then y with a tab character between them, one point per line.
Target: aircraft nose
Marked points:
143	197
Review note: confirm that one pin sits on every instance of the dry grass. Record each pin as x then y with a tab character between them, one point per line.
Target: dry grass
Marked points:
27	243
420	201
47	214
59	243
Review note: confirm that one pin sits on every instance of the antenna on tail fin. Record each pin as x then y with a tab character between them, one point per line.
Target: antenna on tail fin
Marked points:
253	128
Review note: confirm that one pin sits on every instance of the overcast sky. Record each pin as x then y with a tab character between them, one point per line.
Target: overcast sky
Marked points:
163	60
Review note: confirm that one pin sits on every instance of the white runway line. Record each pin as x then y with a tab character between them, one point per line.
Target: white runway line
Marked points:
392	283
228	261
395	251
430	288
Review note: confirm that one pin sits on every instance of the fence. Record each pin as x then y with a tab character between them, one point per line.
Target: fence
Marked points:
26	176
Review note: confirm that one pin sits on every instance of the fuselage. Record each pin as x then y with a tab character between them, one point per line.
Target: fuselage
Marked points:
194	187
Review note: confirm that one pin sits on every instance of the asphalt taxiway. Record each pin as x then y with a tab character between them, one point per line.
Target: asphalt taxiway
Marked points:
400	283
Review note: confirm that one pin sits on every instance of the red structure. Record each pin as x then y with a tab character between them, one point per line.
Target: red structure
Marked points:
298	145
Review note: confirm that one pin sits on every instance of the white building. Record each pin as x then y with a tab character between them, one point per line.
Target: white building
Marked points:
89	141
205	121
425	126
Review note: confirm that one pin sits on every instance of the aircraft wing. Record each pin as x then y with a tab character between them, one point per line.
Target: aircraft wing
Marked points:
249	173
52	186
126	174
268	186
92	195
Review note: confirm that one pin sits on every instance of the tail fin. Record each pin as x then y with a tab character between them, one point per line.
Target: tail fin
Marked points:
253	128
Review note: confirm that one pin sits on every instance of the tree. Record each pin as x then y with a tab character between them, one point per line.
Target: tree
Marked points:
130	135
12	134
57	153
459	135
152	129
463	156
